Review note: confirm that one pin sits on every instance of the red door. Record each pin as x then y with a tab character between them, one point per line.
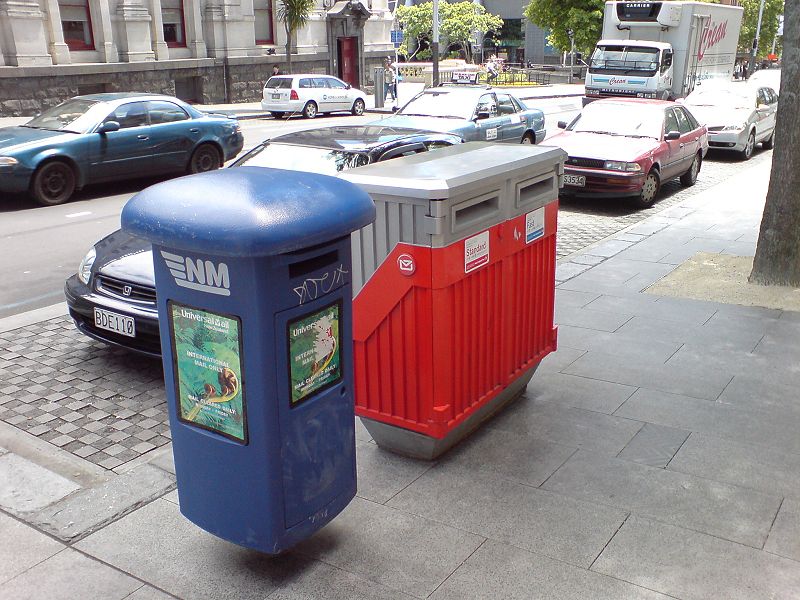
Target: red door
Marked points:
348	66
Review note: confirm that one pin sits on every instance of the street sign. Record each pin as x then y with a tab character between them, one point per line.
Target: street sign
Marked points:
397	37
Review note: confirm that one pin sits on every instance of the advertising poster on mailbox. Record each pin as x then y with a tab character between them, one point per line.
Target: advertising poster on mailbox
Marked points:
208	370
315	361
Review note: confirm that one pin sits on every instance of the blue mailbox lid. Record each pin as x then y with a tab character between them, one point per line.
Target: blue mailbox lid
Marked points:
248	211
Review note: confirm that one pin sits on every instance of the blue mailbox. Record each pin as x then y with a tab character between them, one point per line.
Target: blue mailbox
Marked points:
252	271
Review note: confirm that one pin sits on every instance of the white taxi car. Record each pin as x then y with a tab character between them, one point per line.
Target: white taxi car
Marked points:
309	95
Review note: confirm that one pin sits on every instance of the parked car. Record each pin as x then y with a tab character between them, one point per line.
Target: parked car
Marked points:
770	78
110	137
309	94
476	113
629	147
738	115
112	297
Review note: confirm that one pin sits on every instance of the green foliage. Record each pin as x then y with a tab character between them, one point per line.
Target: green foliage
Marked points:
584	17
769	24
458	23
295	14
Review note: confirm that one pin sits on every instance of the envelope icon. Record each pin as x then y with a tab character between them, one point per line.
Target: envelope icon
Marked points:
405	263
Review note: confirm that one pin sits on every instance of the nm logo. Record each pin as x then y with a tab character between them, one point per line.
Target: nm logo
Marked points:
198	274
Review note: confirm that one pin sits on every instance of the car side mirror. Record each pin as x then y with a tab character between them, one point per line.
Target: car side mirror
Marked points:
673	135
347	87
108	126
562	124
482	114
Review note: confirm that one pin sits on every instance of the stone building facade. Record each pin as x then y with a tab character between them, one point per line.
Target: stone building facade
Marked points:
205	51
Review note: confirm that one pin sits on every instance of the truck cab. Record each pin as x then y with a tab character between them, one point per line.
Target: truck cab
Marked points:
633	68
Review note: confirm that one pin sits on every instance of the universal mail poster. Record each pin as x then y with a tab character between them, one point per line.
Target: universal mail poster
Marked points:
208	370
315	360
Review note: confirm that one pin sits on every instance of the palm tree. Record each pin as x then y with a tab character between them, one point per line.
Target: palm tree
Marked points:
294	14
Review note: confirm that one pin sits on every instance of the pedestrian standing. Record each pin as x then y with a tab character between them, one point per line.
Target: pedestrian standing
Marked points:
276	70
389	80
491	68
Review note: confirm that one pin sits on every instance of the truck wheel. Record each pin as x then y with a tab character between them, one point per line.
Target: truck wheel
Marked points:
689	178
748	147
650	188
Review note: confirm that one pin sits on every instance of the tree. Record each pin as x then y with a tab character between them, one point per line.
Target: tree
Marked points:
584	17
769	23
295	14
458	22
777	260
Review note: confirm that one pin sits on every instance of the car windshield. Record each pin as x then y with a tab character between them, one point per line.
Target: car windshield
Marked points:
727	98
439	104
73	115
627	58
619	119
302	158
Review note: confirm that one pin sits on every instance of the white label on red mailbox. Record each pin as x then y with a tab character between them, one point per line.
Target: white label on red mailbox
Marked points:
534	225
406	264
476	251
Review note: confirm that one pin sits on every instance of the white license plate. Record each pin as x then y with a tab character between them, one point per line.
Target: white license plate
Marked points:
113	322
576	180
276	96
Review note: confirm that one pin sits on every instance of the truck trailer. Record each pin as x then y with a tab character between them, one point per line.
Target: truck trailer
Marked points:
662	49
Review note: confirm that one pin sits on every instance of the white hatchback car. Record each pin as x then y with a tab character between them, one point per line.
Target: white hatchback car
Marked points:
309	95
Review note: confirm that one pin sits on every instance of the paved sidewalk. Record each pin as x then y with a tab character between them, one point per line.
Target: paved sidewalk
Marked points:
655	455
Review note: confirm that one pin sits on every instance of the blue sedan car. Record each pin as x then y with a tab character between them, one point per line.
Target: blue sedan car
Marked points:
476	113
108	137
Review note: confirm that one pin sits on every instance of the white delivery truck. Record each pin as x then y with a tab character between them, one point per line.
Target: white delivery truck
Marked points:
662	49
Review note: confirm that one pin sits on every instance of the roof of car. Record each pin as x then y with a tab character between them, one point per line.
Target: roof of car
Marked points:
356	137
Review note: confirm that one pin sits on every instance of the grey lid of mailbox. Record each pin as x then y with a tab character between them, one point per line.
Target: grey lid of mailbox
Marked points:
446	172
247	211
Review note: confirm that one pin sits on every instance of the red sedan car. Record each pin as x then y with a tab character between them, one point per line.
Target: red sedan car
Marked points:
629	147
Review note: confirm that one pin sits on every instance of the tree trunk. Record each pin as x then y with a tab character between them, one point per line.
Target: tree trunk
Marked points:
777	260
288	50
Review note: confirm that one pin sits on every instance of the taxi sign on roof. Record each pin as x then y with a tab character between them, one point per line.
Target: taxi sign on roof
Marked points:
464	77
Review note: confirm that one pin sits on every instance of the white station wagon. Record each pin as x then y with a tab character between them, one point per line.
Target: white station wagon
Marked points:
309	95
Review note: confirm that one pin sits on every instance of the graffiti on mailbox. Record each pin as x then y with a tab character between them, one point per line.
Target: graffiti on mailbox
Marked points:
208	370
315	360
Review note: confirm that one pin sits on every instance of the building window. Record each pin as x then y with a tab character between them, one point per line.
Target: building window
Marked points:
265	32
76	21
172	17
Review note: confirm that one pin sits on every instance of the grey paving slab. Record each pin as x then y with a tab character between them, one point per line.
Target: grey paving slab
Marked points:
695	380
555	361
589	319
608	248
579	392
500	571
656	307
716	338
574	299
622	346
147	592
587	259
520	458
324	582
684	252
158	545
23	547
654	445
691	565
381	474
567	426
396	549
551	524
69	575
25	486
720	420
784	539
94	507
734	513
770	470
362	435
569	269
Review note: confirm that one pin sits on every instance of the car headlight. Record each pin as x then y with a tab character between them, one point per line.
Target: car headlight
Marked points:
617	165
8	161
85	268
738	127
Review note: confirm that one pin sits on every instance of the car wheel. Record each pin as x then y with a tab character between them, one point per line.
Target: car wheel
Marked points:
527	139
649	189
689	178
310	110
53	183
769	143
277	114
748	147
204	158
358	107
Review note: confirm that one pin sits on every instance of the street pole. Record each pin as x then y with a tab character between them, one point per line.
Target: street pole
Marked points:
435	44
754	49
571	35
